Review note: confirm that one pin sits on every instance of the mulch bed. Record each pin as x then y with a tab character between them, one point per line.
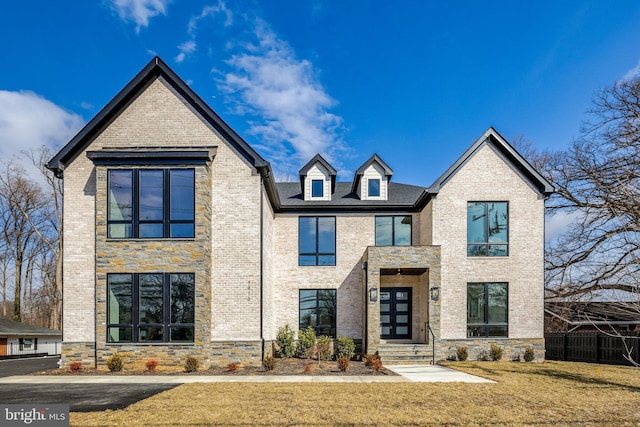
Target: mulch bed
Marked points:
290	366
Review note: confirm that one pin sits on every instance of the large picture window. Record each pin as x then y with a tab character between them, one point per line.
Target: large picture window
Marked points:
487	229
317	240
155	307
393	230
318	310
151	203
487	310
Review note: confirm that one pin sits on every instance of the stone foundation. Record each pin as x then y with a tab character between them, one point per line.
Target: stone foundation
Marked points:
511	348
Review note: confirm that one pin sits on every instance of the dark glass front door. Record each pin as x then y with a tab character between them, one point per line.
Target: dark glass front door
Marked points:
395	313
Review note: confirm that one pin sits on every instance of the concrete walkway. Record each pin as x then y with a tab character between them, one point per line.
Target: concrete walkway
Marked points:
406	373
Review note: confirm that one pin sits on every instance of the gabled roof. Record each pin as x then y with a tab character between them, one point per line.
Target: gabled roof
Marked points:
154	69
373	159
491	136
17	329
318	159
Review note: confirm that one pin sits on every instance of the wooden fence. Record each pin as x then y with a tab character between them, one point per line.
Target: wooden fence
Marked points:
594	347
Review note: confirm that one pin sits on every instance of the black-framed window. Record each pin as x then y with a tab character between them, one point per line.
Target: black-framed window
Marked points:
487	310
318	310
487	228
393	230
150	307
373	187
317	188
151	203
317	240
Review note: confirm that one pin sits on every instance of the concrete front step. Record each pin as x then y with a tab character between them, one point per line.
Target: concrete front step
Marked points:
405	354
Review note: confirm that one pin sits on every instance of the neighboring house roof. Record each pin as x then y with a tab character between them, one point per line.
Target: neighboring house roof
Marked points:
491	136
9	328
595	312
401	197
373	159
319	159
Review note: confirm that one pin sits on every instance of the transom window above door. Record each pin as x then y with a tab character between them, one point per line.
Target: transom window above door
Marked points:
151	203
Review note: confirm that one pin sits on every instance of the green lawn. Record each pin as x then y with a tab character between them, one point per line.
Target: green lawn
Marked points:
540	394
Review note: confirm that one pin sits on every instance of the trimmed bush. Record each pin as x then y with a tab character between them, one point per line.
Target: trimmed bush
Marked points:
269	363
115	362
495	352
376	365
233	367
346	347
343	363
75	367
369	358
151	365
323	348
461	353
191	364
286	341
306	342
529	354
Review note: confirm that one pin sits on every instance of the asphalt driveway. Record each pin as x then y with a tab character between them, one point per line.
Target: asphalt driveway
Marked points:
84	397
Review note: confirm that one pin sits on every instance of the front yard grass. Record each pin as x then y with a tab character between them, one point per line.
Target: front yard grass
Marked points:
540	394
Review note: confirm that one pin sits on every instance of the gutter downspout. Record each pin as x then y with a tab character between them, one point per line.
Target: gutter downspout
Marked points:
262	265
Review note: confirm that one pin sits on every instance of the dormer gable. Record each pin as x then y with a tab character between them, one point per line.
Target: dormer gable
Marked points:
371	181
317	179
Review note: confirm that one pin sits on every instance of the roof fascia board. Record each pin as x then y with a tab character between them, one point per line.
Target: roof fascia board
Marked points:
520	163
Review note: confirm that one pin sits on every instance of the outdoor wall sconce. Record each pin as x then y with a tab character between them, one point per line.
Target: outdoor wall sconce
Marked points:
435	293
373	294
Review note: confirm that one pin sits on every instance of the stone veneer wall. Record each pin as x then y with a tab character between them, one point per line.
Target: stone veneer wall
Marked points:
511	347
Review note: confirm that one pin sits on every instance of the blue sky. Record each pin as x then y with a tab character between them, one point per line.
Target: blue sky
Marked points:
416	82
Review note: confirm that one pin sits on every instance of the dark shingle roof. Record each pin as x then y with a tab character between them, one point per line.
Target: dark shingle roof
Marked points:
400	197
11	328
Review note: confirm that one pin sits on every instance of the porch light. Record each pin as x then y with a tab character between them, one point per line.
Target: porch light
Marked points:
435	293
373	294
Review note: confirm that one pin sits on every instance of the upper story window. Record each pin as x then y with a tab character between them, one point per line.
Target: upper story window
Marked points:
487	311
151	203
487	229
317	188
153	307
317	240
374	187
393	230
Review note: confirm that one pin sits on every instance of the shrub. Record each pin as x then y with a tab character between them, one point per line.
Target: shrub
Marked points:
306	342
115	362
376	365
343	363
191	364
483	356
346	347
75	367
285	341
369	358
323	348
461	353
309	367
495	353
515	357
151	365
529	354
233	367
269	363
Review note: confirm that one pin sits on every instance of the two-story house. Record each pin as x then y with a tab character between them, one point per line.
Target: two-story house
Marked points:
178	241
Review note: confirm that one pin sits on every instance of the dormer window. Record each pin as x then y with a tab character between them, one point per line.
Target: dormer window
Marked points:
317	188
374	188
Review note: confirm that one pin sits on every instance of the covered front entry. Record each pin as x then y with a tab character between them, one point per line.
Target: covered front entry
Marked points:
395	313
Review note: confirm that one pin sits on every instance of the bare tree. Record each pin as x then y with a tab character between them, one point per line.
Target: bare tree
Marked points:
598	189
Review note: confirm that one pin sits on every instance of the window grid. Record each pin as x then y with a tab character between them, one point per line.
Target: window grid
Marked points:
488	310
318	248
488	229
390	230
317	309
168	213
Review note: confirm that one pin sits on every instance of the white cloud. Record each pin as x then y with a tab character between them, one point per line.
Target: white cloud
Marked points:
211	12
557	224
289	104
632	73
140	11
28	121
185	48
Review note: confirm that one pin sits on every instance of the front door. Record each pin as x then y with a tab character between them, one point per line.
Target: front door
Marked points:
3	346
395	313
